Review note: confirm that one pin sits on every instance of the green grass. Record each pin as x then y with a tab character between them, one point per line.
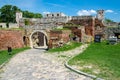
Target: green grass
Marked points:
101	60
4	54
57	29
66	47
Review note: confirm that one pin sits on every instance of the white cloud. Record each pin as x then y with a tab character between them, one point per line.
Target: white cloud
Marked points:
109	11
86	12
46	12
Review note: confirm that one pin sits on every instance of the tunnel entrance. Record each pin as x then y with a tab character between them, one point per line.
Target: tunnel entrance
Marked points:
38	40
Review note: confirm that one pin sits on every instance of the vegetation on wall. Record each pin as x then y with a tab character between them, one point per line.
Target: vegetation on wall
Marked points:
27	22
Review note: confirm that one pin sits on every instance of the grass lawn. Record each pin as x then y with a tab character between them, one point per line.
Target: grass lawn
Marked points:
66	47
4	54
101	60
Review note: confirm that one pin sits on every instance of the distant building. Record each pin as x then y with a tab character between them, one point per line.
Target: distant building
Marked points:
55	15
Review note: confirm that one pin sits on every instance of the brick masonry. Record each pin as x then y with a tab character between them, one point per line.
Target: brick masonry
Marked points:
12	38
58	37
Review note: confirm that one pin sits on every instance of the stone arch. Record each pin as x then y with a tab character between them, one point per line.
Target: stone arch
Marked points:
39	34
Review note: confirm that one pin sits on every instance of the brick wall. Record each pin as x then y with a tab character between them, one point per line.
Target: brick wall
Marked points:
87	23
10	38
59	36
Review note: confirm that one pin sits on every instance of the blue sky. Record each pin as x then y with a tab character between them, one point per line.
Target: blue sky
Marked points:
69	7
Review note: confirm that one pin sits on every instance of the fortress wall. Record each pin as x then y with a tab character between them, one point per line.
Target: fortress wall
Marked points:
12	38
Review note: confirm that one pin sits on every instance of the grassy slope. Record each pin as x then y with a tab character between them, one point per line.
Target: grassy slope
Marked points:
101	60
66	47
4	54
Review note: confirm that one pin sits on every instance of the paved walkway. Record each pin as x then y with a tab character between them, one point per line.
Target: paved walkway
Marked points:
36	64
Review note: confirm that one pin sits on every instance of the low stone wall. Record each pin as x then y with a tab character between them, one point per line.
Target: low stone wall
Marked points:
11	25
12	38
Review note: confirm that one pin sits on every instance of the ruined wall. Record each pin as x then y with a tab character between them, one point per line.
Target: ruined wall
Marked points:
99	27
58	38
88	23
65	35
92	26
11	38
76	32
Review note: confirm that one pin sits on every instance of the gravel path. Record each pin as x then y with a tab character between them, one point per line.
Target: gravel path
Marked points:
35	64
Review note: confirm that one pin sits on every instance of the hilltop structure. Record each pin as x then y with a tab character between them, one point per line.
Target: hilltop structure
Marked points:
50	31
57	29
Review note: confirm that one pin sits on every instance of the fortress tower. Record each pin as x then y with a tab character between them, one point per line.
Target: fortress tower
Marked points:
18	16
100	14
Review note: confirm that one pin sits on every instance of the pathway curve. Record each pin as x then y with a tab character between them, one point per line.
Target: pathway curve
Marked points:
35	64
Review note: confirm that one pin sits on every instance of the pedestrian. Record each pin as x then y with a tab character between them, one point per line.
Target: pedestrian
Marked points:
9	50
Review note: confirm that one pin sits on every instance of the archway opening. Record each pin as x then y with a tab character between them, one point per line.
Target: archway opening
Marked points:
39	40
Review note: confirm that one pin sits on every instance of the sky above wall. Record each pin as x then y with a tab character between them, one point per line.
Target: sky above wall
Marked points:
69	7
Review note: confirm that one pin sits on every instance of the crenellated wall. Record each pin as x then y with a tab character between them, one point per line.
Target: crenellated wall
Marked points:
12	38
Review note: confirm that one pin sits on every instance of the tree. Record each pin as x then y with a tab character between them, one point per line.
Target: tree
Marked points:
8	13
28	14
14	10
108	20
37	15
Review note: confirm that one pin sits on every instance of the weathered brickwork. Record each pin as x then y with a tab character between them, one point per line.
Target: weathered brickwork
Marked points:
89	26
82	28
10	38
86	27
59	37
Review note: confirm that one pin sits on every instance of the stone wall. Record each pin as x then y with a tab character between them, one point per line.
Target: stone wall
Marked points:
11	25
11	38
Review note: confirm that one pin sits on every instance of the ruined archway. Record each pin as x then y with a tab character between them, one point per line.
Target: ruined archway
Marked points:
38	39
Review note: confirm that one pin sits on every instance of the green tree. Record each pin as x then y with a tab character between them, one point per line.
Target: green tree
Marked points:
108	20
37	15
8	13
14	10
28	14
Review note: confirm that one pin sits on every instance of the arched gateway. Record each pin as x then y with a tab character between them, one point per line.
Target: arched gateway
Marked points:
38	39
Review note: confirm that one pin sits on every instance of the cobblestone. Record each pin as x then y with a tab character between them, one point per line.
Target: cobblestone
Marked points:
35	64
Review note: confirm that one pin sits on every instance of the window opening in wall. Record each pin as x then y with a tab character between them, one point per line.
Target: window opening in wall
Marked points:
58	15
52	15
